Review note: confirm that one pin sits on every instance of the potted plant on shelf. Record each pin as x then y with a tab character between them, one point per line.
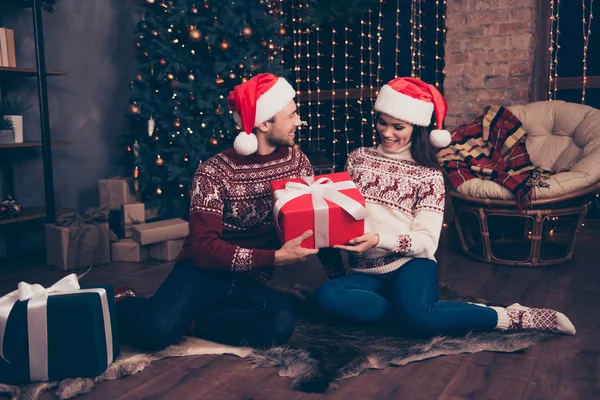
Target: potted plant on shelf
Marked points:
7	133
12	108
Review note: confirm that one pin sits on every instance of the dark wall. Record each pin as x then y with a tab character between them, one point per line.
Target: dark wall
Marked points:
94	41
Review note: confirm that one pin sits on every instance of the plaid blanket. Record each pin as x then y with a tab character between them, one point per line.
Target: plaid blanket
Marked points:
492	147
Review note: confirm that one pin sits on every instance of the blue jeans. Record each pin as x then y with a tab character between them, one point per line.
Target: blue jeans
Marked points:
227	307
408	297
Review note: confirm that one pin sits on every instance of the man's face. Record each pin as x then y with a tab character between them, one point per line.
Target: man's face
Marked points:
282	130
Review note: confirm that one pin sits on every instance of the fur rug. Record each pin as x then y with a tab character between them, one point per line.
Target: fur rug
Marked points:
320	354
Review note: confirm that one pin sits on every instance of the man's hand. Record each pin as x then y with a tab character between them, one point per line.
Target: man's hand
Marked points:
361	244
291	252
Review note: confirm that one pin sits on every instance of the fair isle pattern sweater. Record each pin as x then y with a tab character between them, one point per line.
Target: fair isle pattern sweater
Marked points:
405	202
231	226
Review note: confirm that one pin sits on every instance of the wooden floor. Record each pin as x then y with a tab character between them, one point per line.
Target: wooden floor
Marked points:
568	368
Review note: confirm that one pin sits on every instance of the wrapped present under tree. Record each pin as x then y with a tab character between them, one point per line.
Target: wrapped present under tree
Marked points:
77	241
64	331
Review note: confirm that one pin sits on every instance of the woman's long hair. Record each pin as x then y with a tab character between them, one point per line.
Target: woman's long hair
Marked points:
424	154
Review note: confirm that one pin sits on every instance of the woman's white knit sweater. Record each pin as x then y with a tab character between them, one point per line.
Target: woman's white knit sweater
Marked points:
405	202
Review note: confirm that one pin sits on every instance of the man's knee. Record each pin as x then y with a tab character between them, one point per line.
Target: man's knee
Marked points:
155	335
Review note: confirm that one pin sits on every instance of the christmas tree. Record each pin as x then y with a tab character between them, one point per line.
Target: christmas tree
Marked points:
192	54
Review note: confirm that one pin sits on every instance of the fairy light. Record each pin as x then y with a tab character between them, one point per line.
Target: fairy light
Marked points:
299	21
308	87
296	54
370	36
333	93
437	42
551	50
420	35
412	39
554	48
398	37
362	83
586	38
347	118
379	35
443	34
318	81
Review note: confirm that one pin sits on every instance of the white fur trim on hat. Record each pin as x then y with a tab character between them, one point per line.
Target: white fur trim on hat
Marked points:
273	100
245	143
440	138
401	106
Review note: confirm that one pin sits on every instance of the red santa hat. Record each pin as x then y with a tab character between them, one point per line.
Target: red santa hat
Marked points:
254	102
414	101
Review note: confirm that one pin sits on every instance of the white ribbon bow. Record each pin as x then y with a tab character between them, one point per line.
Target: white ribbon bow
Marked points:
37	319
322	189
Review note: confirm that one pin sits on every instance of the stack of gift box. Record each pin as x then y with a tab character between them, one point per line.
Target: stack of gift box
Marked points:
141	235
121	229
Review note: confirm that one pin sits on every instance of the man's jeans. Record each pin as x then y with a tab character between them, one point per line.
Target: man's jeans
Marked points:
228	308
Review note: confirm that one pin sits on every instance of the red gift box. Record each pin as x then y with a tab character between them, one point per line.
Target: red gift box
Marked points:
330	205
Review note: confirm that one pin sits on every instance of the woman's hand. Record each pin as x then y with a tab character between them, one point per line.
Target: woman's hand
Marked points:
361	244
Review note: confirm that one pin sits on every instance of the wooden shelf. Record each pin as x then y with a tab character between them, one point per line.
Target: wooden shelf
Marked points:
29	144
29	214
28	71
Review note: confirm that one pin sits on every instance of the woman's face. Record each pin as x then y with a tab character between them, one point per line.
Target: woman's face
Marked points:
394	133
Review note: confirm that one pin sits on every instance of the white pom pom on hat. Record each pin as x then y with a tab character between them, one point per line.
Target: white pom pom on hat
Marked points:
414	101
254	102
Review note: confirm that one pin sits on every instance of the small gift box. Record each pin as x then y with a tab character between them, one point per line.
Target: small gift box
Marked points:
114	192
160	231
78	241
64	331
129	250
166	251
132	214
331	206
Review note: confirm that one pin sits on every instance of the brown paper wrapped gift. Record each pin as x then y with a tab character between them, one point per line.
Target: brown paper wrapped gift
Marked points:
166	251
160	231
114	192
129	250
132	214
78	241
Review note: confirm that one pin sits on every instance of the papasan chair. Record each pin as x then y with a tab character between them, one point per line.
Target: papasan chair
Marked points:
563	138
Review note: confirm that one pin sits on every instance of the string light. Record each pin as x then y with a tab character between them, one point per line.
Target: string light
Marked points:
586	38
370	36
379	36
318	82
333	93
420	36
362	85
412	39
347	119
554	48
297	54
308	87
398	37
437	42
300	21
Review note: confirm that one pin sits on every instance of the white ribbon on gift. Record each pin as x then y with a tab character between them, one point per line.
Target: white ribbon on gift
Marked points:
37	320
322	189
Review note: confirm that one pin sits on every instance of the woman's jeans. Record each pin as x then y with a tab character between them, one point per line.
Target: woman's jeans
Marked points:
224	307
407	297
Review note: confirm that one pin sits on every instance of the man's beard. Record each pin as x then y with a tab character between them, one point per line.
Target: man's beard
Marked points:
279	142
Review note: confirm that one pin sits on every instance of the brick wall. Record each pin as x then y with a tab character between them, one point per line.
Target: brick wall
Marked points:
489	55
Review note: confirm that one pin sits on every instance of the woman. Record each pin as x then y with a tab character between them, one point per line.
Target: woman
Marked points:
394	272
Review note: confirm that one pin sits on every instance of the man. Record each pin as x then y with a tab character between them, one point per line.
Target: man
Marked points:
218	288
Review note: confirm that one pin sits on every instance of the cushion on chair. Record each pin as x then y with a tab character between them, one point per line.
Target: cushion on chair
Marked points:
562	137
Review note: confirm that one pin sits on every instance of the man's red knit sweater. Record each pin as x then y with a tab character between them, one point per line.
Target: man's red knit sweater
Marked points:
231	223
